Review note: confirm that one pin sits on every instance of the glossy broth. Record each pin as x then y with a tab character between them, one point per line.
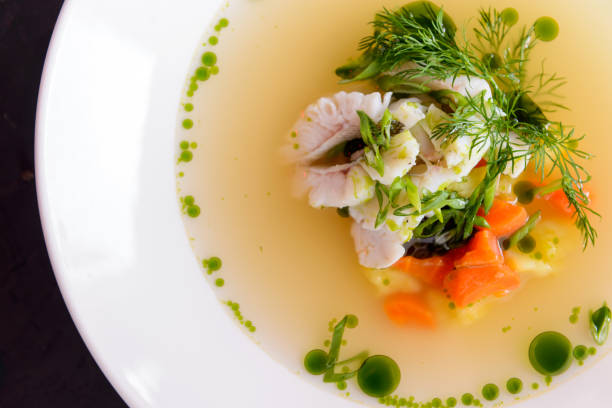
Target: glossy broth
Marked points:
292	268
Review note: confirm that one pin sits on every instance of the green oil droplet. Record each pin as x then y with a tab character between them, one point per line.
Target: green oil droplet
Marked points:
580	352
546	28
378	376
193	211
352	321
187	123
509	16
514	385
224	22
202	73
188	107
209	58
184	145
467	399
213	40
315	362
490	392
451	402
186	156
214	70
549	353
220	282
214	264
189	200
526	244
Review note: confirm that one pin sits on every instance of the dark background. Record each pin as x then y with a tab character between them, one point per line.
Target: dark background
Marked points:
43	361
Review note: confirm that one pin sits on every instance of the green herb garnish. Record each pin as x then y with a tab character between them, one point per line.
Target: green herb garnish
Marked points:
378	375
376	137
387	197
599	323
524	230
417	43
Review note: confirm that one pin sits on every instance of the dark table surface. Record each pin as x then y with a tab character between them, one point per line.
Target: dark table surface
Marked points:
43	361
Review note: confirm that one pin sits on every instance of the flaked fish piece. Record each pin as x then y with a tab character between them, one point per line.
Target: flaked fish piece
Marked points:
331	121
376	248
434	178
427	150
366	213
341	185
398	159
460	154
408	111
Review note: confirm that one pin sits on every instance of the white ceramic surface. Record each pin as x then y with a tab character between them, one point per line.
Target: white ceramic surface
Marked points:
106	186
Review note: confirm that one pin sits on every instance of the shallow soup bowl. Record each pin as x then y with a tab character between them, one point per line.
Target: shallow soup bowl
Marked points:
106	156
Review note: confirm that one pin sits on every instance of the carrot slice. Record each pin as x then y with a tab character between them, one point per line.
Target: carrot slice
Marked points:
409	309
483	249
505	218
559	201
470	284
431	271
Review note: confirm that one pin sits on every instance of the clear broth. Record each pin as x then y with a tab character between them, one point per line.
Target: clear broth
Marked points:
293	268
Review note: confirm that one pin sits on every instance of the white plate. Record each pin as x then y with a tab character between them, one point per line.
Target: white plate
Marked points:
106	187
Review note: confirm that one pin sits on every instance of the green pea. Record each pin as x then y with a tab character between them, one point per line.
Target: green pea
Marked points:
514	385
549	353
315	362
546	28
378	376
490	392
509	16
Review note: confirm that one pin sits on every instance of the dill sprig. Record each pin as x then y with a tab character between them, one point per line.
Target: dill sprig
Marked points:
411	47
